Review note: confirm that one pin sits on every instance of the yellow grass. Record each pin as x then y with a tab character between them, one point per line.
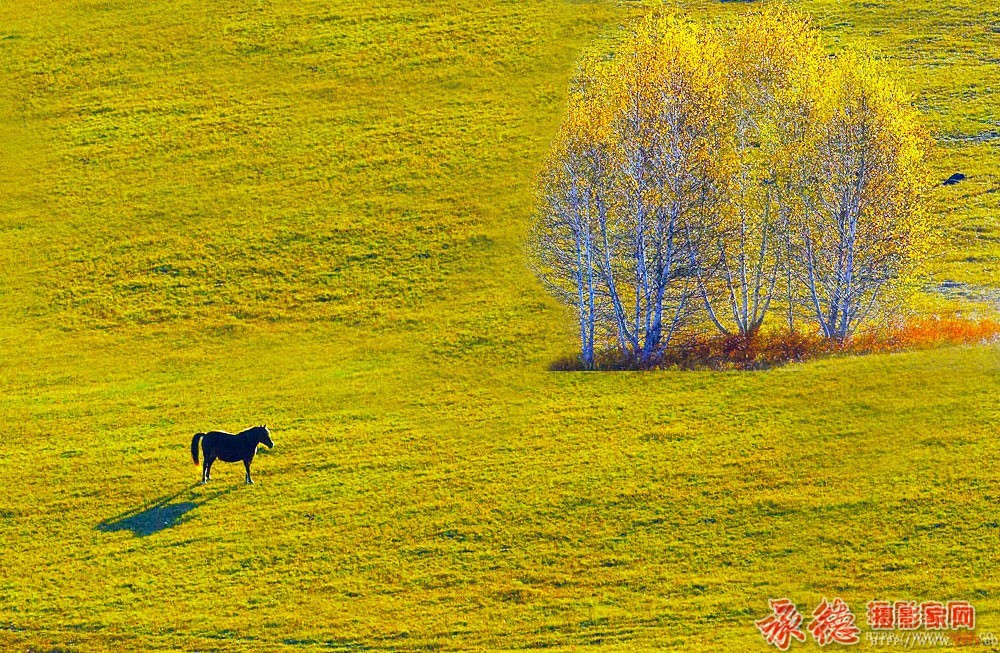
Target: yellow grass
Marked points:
311	214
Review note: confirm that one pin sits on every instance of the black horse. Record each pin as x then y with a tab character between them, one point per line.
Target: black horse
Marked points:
229	448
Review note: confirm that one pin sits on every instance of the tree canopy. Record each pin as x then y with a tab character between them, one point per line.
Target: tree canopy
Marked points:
706	174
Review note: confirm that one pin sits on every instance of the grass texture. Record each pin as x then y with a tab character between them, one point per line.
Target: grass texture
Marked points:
311	215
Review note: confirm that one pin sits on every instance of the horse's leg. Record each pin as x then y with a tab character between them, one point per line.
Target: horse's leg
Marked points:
208	468
204	471
246	463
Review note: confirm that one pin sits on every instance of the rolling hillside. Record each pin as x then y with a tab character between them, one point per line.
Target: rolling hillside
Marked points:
311	215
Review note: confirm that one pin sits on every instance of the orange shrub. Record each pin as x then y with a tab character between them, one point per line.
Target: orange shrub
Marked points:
765	349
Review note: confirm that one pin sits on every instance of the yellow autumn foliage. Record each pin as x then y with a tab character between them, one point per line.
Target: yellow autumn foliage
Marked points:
707	173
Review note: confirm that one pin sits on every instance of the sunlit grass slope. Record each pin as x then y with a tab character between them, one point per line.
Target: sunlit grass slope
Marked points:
311	214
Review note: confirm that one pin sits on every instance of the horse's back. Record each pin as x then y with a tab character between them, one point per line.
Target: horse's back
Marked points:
227	447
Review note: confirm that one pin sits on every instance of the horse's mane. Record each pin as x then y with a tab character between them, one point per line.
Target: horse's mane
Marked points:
253	429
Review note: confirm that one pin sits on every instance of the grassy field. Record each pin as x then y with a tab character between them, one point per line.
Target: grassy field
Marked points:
311	215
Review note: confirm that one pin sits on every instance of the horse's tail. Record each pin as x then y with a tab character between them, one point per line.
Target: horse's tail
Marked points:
194	446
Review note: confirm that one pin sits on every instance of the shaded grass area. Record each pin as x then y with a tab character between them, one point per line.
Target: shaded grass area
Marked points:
310	215
150	520
156	516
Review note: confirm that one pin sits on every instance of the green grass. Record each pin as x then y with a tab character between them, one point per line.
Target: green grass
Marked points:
311	214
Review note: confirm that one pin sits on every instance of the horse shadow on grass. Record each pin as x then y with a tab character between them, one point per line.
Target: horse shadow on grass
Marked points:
163	513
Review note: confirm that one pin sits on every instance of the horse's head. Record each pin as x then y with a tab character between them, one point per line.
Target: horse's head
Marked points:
264	436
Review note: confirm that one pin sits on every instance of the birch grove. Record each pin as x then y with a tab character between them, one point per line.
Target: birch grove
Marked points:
705	175
862	227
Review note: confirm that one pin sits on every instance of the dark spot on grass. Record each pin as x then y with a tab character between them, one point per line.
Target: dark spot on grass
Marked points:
165	512
649	522
481	241
614	563
452	535
590	623
151	520
517	596
166	269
